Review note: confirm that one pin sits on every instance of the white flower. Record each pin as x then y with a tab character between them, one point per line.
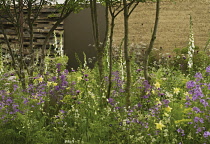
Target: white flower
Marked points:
191	45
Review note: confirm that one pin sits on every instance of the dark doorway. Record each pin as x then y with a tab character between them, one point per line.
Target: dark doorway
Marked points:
78	38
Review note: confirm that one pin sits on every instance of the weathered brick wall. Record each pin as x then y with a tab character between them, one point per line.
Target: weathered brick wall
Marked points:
174	24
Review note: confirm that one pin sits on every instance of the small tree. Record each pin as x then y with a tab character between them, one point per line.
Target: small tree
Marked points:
12	11
96	36
149	49
115	8
127	12
100	47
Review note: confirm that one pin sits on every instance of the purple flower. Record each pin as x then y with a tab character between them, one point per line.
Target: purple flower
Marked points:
9	100
205	103
58	65
208	69
62	111
208	86
77	91
198	76
139	105
180	131
199	129
187	104
206	134
197	119
111	101
63	77
166	102
66	71
197	110
128	122
138	70
197	93
191	84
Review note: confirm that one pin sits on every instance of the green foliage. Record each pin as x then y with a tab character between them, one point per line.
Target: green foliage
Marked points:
82	119
179	60
51	62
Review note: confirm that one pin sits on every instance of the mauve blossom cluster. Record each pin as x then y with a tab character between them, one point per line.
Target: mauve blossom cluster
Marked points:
53	89
117	84
198	99
8	107
151	108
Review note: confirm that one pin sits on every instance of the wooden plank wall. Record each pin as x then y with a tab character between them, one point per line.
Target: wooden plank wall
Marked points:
42	26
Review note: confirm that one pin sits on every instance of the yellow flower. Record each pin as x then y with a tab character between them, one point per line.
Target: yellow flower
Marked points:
49	84
176	90
186	94
79	78
159	125
55	84
40	79
157	85
168	109
167	115
183	121
158	101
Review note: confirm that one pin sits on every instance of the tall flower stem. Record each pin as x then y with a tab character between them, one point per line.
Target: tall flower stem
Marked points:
191	47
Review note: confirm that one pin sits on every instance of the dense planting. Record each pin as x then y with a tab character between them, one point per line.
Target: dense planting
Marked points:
125	99
69	107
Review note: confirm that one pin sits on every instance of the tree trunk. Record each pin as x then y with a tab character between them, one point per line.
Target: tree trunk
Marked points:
126	54
21	39
148	51
99	48
110	57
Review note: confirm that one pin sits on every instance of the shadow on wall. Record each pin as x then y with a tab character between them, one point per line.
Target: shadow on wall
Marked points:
78	37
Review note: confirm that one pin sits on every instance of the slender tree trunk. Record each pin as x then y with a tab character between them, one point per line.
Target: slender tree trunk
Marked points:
107	26
21	38
99	48
148	51
110	56
31	49
14	64
126	54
